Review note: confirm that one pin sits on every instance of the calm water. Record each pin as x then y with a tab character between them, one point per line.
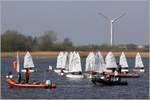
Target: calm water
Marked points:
137	88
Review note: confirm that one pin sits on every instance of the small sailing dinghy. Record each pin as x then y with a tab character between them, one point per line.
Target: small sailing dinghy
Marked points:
12	83
110	62
28	63
123	63
94	64
74	70
60	62
139	66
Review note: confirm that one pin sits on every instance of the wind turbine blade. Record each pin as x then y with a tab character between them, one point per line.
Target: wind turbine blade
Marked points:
115	19
104	16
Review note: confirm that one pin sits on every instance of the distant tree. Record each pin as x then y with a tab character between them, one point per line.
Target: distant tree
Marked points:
14	41
67	42
46	40
131	47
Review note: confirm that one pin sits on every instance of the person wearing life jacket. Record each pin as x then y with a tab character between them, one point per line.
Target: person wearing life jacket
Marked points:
119	68
27	75
14	64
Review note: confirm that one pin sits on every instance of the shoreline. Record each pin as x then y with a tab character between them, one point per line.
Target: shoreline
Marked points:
48	54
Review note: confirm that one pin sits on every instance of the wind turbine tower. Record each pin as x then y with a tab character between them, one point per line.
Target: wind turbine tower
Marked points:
112	21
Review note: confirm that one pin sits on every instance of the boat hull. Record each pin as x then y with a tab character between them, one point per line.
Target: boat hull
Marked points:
12	83
31	70
106	82
123	75
74	76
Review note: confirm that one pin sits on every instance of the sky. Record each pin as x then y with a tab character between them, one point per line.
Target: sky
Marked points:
79	20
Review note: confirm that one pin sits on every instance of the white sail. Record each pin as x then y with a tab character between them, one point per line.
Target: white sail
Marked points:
74	62
18	63
123	63
99	63
110	61
90	62
138	61
70	68
28	62
59	60
66	61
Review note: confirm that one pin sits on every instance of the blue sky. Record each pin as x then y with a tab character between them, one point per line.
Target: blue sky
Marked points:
78	20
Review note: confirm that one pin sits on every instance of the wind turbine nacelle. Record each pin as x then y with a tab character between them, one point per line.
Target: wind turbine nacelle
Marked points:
112	21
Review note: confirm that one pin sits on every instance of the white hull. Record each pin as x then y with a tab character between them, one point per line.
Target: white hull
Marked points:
139	70
57	70
74	76
30	70
124	70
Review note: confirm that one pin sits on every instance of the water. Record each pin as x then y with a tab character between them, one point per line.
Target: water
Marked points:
137	88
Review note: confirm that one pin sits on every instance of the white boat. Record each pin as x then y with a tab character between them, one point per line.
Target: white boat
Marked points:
110	62
123	63
74	66
90	62
99	63
59	65
139	66
28	63
62	63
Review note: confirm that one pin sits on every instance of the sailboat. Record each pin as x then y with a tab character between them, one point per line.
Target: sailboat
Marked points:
99	63
90	62
123	63
59	64
110	62
139	66
75	70
28	63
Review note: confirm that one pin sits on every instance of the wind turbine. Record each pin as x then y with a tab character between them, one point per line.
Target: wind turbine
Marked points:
112	21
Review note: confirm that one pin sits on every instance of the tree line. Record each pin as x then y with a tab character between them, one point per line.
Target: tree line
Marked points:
47	41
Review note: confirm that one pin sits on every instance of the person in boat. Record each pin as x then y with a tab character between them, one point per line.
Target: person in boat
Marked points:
119	68
119	71
19	77
27	75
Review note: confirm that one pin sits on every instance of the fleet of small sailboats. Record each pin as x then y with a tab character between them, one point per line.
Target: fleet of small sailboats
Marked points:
69	65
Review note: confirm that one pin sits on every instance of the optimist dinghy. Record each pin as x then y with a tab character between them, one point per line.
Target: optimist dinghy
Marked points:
110	62
123	63
75	70
139	66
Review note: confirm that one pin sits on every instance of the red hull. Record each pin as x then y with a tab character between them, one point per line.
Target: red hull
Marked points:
13	83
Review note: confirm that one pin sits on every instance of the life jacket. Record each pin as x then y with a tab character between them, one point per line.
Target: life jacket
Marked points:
14	64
